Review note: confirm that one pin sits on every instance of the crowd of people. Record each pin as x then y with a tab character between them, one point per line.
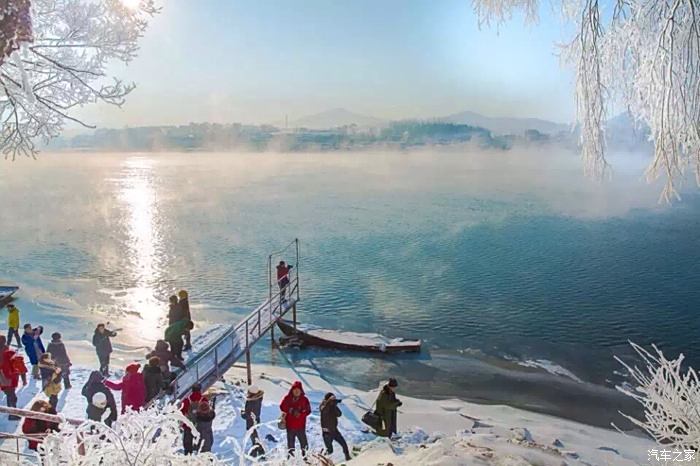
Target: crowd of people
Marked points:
139	385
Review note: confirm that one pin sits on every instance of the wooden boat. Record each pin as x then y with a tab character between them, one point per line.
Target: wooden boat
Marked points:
326	338
6	292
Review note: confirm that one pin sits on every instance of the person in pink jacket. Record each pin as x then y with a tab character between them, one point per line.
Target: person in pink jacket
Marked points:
132	386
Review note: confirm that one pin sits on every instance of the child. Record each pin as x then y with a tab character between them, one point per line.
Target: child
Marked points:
20	367
53	387
204	418
60	357
93	387
47	367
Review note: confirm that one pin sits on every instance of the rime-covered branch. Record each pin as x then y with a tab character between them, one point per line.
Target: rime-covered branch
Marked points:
645	56
670	397
61	64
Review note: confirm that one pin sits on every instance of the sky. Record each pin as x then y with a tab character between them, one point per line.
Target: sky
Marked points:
255	61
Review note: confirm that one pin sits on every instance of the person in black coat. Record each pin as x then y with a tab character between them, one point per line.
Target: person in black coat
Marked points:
95	384
153	377
251	414
174	310
103	346
60	356
330	412
184	304
203	419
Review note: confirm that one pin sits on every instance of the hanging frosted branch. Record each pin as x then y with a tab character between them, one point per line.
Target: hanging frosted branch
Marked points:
590	91
54	60
670	397
648	59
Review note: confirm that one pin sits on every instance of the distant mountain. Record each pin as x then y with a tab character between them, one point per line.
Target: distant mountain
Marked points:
506	125
335	118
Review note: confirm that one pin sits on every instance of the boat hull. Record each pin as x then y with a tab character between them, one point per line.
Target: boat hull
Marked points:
307	338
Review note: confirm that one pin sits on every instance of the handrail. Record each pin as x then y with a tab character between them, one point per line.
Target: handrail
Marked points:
270	311
56	418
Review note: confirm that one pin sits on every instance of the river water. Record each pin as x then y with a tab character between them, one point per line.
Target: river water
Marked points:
522	277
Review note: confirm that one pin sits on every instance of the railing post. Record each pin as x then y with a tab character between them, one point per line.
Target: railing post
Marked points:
247	355
259	324
18	459
297	267
216	361
294	314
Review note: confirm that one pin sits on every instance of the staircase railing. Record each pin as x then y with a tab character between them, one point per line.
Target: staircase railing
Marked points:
211	363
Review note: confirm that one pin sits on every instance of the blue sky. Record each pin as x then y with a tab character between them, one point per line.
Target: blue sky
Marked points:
255	61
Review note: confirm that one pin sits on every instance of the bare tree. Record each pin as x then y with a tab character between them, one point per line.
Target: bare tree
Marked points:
60	64
645	56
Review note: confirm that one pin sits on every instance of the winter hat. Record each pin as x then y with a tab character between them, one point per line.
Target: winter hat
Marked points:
393	383
55	336
99	400
253	390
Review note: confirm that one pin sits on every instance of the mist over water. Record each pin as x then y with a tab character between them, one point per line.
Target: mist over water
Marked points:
506	264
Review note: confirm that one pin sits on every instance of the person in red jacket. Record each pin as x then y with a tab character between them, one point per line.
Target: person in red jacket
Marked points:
35	427
283	271
10	376
295	409
133	387
189	408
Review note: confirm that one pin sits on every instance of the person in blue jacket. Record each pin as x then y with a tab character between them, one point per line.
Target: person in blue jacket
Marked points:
31	339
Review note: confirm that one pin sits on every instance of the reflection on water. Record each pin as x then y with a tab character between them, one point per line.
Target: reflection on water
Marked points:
139	196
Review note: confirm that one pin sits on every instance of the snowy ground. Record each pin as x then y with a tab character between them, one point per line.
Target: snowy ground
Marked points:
432	432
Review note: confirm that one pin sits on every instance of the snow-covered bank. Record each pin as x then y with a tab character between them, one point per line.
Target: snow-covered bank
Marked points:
432	432
453	432
444	432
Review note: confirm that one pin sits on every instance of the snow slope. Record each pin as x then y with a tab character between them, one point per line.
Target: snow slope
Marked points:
445	432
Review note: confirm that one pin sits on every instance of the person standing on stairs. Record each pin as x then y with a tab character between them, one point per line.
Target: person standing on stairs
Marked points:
184	304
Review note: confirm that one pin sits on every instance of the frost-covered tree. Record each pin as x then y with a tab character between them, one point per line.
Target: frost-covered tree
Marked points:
643	54
53	59
670	396
146	438
153	437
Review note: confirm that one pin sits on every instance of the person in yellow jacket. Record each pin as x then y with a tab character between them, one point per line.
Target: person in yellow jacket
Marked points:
13	324
53	387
